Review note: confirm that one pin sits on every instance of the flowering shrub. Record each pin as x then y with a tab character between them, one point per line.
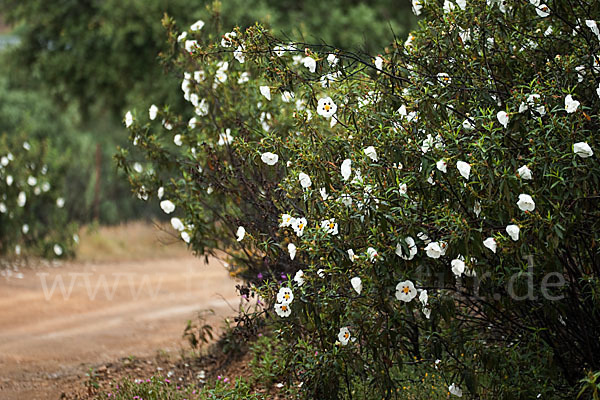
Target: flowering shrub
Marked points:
435	207
32	218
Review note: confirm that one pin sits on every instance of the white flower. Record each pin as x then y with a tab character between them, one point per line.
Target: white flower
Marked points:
346	200
525	172
227	39
434	250
128	119
153	111
190	45
351	255
462	4
542	10
266	91
287	220
57	250
455	390
25	229
403	188
45	186
503	118
458	266
160	193
239	54
202	108
427	312
177	224
448	6
269	158
583	150
9	180
477	208
441	165
197	26
177	140
241	232
287	96
3	208
570	104
167	206
321	273
330	226
371	153
60	202
444	78
21	199
304	179
468	125
332	59
344	336
225	138
412	249
405	291
356	284
186	237
168	126
299	277
292	250
285	295
424	297
31	181
464	169
298	226
372	253
525	202
182	36
427	144
513	232
378	62
309	63
417	6
192	123
326	107
283	310
490	243
590	23
244	77
346	169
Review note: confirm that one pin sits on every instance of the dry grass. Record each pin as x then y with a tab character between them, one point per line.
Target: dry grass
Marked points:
129	242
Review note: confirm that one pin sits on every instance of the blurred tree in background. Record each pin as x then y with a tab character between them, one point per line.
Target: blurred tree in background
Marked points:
79	64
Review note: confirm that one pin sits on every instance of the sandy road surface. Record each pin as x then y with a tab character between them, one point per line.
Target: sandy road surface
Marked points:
57	322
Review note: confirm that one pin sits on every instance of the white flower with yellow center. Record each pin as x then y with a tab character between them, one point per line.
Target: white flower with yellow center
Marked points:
444	78
285	295
326	107
286	220
225	138
330	226
405	291
239	54
298	226
283	310
417	6
433	250
344	336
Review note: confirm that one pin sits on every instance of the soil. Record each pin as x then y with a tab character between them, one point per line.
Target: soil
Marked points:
109	317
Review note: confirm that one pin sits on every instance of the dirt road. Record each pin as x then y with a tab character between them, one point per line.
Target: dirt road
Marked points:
56	322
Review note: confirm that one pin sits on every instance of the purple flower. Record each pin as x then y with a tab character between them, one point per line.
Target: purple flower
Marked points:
260	275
